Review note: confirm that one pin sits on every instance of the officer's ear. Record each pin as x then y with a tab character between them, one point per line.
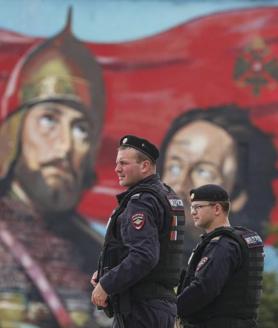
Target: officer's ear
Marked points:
146	166
217	208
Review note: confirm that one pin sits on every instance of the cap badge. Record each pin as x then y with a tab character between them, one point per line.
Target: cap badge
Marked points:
192	196
124	141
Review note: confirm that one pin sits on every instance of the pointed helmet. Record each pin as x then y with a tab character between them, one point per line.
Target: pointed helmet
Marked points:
61	69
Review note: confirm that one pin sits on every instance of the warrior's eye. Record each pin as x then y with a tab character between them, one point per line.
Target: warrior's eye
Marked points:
80	131
47	121
175	170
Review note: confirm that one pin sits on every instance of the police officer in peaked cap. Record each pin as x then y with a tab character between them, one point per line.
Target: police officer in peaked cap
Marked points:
217	289
143	249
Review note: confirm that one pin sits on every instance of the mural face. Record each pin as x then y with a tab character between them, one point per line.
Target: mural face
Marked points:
199	153
51	165
196	157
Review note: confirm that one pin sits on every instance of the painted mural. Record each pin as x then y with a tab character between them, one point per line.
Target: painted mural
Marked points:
205	92
51	116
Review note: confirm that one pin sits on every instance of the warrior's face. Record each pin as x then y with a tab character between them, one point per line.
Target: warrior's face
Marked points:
55	146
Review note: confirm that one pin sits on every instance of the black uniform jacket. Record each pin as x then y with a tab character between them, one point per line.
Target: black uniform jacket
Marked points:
138	226
220	260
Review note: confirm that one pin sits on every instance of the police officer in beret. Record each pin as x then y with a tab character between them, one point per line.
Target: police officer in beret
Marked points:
143	249
223	281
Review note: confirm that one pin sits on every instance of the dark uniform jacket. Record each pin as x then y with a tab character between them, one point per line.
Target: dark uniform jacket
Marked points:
223	282
143	250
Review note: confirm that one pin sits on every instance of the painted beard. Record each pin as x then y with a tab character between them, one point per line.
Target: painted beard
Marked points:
56	193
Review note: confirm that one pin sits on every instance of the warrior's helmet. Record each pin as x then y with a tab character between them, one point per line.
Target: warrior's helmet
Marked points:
62	70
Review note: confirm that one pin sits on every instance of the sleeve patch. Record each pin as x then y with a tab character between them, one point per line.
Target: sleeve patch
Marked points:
176	204
202	262
138	220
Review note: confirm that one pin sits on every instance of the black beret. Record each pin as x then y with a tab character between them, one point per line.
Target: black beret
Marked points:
142	145
210	193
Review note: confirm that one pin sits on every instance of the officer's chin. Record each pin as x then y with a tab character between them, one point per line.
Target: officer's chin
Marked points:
122	182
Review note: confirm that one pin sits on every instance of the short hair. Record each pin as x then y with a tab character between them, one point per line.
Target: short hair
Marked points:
225	206
256	157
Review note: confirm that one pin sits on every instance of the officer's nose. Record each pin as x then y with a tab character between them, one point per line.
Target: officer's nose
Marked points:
193	210
117	168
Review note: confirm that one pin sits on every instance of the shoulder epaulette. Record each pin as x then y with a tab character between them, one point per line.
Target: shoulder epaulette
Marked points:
135	196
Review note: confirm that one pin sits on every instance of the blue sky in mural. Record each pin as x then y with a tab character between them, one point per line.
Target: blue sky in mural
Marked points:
109	20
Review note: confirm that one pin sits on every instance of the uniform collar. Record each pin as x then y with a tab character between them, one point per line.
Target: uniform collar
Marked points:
204	235
147	180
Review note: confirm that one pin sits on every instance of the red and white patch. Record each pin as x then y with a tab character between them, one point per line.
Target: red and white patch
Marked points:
202	262
173	232
138	221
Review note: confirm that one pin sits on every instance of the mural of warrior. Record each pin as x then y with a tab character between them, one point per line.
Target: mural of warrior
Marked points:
52	116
